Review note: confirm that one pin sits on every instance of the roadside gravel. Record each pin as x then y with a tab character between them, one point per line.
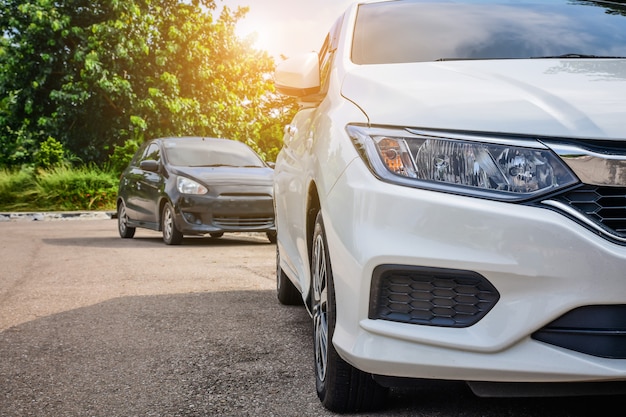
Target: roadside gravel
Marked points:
60	215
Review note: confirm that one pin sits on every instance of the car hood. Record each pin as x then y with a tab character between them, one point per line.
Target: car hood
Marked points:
552	97
228	175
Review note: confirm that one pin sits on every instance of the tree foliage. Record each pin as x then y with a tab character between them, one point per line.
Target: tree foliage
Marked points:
93	74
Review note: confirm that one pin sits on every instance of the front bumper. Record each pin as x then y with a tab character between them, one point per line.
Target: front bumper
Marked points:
201	215
542	264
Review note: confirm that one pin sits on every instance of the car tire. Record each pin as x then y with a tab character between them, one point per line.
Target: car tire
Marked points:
216	235
171	234
341	387
287	293
271	236
126	232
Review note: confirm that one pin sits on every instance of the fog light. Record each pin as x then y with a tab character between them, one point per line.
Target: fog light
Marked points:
191	218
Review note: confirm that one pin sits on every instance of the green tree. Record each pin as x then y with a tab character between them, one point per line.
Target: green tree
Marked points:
94	74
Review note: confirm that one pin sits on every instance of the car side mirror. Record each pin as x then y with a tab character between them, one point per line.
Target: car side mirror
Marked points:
298	76
149	165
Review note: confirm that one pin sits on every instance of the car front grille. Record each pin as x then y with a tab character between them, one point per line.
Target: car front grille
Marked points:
243	222
594	330
430	296
604	207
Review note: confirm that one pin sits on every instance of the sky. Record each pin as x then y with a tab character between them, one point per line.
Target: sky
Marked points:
287	27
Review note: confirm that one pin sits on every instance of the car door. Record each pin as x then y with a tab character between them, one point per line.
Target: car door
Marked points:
129	180
146	195
291	184
292	178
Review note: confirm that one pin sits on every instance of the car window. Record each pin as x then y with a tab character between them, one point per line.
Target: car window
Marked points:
417	31
152	152
200	153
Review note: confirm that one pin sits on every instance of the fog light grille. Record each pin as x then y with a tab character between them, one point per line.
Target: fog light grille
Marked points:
430	296
242	222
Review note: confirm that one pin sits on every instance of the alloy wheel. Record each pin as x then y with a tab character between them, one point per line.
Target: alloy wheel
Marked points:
320	306
168	223
124	230
171	234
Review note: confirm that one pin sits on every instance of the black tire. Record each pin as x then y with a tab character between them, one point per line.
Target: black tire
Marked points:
271	236
216	235
126	232
171	234
287	293
340	387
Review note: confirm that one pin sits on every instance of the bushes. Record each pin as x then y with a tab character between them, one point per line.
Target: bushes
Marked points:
13	183
58	189
52	183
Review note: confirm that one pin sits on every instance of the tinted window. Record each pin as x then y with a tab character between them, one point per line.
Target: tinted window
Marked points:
151	153
210	153
414	31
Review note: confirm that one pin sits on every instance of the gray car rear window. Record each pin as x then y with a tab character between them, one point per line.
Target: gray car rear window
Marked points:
417	31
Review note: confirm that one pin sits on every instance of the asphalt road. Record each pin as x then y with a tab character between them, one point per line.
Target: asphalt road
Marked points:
95	325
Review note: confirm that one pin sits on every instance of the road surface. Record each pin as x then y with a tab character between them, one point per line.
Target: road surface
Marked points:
95	325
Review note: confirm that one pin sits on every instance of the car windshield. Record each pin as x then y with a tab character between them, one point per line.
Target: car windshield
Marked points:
210	153
418	31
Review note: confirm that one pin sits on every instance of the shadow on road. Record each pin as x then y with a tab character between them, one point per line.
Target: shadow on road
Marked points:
155	240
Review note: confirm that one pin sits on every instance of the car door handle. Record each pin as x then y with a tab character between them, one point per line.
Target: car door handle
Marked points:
291	130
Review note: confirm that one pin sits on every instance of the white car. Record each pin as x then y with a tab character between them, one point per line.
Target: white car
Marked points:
451	198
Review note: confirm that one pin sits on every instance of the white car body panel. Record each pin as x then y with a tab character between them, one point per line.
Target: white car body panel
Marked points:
476	225
301	164
527	97
542	263
466	234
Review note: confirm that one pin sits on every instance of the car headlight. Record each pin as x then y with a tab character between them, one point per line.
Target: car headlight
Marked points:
187	186
482	166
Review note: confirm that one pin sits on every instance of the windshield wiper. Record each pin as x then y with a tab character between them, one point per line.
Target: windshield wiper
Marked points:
577	56
564	56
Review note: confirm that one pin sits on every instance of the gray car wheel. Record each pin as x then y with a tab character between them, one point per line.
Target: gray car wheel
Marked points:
126	232
171	234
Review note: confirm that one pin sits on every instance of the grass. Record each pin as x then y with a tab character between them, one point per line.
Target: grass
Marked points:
57	189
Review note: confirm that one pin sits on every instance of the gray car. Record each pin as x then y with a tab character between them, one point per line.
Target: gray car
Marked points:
196	186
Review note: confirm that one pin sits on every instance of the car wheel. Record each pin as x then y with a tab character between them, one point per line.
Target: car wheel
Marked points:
340	387
271	236
287	293
216	235
126	232
171	234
